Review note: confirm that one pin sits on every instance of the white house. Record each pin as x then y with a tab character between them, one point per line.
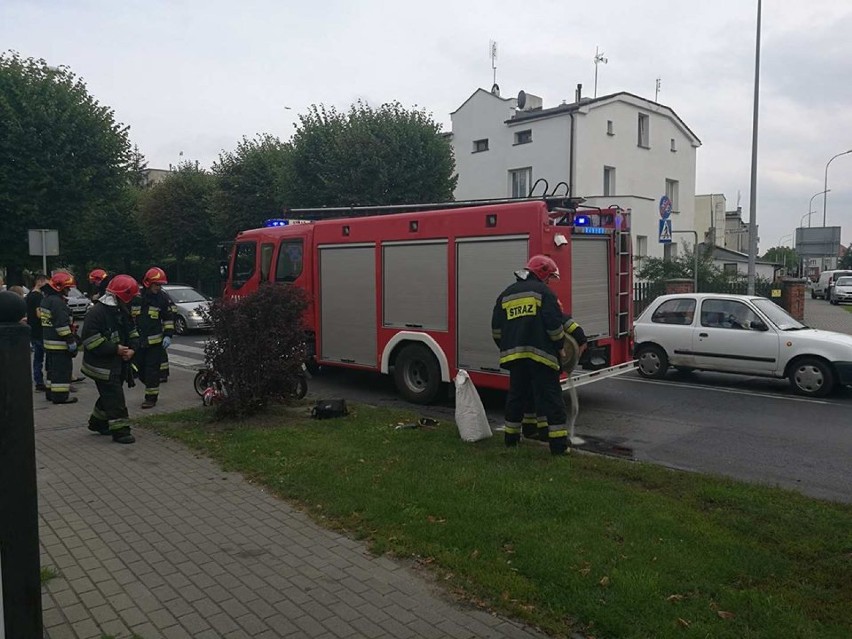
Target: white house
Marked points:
736	263
616	149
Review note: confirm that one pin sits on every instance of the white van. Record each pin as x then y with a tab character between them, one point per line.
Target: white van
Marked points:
822	288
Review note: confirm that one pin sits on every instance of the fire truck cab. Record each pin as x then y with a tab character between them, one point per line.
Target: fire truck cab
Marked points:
409	290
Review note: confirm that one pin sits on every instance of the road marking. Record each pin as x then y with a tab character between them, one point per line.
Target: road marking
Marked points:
186	349
729	390
185	362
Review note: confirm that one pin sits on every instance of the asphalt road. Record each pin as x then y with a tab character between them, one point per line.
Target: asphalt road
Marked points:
750	429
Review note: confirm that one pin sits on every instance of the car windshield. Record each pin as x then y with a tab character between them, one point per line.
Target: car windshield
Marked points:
844	281
778	315
75	292
185	295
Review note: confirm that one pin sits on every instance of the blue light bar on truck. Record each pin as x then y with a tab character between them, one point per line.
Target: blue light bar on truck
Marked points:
592	230
582	220
276	222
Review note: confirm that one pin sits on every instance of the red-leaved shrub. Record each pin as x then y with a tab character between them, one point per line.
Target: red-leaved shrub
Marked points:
257	347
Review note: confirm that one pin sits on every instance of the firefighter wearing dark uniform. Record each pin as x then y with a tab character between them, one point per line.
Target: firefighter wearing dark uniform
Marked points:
154	320
60	344
164	365
98	281
527	326
109	338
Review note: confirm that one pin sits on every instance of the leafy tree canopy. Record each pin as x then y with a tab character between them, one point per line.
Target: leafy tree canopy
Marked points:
384	155
63	157
783	255
253	184
175	215
710	276
846	260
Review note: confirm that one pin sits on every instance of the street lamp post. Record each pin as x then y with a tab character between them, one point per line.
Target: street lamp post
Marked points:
825	184
811	205
752	216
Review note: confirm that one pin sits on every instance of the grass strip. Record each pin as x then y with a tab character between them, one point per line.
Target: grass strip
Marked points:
580	543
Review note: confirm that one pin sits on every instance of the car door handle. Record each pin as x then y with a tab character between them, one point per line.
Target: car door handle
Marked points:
703	335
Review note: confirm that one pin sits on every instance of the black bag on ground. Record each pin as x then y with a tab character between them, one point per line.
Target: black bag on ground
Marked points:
329	408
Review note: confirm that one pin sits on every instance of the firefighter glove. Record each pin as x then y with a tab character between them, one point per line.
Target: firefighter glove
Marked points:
167	341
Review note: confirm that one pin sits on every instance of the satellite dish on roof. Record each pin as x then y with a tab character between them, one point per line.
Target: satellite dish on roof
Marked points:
522	99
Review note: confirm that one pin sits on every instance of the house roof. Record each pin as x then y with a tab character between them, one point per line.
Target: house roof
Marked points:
536	114
727	255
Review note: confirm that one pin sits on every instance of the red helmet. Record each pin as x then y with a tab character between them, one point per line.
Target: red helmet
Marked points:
124	287
542	267
97	276
62	280
154	275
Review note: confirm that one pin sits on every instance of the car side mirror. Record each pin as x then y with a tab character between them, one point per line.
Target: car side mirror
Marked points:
758	326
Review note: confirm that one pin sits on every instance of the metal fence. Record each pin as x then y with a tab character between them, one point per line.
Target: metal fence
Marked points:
646	292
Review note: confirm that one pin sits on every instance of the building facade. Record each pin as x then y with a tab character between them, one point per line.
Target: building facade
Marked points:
618	149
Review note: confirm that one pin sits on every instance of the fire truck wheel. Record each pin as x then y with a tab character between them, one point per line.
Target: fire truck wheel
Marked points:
653	362
417	374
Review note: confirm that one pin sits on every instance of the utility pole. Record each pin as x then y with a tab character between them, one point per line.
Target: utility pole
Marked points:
752	217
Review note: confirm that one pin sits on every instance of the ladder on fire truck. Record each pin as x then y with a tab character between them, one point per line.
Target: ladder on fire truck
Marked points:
623	267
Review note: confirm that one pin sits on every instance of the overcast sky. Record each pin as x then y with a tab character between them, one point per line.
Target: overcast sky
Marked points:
194	76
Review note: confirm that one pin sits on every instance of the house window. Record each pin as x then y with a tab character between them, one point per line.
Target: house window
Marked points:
641	246
480	145
644	139
670	251
730	269
674	146
672	192
519	182
609	130
609	180
523	137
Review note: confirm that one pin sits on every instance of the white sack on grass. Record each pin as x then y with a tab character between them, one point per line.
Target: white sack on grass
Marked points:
470	413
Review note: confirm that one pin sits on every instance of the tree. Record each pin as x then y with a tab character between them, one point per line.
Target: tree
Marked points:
175	215
655	269
63	157
387	155
138	169
253	184
784	255
846	260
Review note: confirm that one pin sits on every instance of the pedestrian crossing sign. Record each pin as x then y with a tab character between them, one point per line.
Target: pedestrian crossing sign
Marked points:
666	231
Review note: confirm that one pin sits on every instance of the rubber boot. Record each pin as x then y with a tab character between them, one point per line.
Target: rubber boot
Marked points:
123	436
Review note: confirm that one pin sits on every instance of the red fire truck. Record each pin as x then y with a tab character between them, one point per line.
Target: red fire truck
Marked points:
409	290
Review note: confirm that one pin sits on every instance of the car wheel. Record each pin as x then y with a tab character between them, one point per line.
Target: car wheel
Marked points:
653	361
812	377
180	325
417	374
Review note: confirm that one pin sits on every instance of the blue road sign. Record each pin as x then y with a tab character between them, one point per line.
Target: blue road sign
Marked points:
665	207
666	231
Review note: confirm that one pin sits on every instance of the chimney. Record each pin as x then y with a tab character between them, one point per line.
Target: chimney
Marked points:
579	93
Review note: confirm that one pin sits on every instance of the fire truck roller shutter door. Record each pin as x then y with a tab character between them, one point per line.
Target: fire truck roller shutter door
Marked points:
483	267
590	285
414	285
348	303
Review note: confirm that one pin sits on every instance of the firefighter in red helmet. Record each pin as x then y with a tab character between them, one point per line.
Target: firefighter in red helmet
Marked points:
109	343
98	279
527	326
155	322
60	344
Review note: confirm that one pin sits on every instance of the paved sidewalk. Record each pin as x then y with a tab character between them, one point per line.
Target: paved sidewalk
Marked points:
821	314
154	540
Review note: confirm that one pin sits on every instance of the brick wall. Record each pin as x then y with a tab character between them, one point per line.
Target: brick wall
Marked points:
679	286
793	297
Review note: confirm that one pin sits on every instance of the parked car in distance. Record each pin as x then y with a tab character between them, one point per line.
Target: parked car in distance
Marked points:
825	283
78	302
842	290
190	304
739	334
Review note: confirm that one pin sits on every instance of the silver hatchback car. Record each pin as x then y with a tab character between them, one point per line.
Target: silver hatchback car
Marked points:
842	290
191	305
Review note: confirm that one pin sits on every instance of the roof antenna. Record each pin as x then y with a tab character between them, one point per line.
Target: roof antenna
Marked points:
599	57
492	52
657	92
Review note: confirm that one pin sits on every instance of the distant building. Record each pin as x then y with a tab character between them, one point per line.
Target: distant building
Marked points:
719	226
617	149
736	263
154	176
